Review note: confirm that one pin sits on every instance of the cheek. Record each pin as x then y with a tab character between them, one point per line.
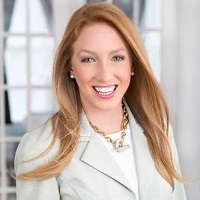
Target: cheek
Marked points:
81	76
126	76
126	72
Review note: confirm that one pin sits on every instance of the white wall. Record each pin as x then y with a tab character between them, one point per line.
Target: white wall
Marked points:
181	82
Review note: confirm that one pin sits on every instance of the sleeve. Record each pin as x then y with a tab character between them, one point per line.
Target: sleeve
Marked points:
31	145
179	191
38	190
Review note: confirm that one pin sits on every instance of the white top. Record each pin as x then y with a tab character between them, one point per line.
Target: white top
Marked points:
124	159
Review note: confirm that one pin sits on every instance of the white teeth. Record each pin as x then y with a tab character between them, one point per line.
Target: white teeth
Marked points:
105	90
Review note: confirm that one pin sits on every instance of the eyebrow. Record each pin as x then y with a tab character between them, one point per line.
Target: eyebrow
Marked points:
93	52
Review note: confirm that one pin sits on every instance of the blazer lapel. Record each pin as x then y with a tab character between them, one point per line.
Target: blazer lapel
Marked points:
97	155
144	163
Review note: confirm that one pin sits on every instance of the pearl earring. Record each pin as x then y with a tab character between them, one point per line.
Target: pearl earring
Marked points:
71	76
132	73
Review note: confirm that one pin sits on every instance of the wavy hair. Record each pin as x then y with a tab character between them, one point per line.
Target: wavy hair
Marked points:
144	95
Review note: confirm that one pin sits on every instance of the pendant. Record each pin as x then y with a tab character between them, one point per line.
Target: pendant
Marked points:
119	145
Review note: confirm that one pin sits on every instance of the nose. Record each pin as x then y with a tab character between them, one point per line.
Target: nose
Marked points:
105	72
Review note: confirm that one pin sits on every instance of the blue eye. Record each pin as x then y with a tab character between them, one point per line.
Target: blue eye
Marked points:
118	58
87	60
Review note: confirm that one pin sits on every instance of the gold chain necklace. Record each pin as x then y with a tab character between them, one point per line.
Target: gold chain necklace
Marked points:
118	144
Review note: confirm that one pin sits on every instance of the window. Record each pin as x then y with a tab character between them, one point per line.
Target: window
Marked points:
26	99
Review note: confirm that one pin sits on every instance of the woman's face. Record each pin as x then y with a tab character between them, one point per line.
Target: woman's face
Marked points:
101	65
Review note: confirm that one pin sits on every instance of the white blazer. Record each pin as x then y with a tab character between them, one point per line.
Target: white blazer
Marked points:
93	174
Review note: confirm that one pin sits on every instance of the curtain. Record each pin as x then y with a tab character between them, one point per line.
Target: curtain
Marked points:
181	83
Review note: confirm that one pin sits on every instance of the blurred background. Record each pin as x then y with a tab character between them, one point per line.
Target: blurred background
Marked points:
30	31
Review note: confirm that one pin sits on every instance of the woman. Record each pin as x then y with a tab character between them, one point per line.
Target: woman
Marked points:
110	138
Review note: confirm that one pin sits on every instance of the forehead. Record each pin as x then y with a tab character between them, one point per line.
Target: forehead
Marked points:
99	35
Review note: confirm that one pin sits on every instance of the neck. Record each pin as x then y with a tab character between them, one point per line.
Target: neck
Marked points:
109	121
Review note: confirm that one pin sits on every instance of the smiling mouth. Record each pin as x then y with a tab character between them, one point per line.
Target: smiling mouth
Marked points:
105	90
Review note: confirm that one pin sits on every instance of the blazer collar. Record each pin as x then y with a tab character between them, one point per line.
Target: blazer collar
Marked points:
98	157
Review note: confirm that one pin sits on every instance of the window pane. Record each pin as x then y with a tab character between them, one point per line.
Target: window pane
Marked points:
15	18
41	60
10	153
0	169
152	42
15	60
41	16
1	113
150	13
42	106
16	129
16	112
90	1
11	197
126	6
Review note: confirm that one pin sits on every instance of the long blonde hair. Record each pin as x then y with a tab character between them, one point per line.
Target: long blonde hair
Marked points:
144	95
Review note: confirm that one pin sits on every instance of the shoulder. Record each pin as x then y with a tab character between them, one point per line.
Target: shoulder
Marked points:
170	136
173	147
32	145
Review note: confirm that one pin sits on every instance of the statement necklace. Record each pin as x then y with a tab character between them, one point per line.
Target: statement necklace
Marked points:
118	144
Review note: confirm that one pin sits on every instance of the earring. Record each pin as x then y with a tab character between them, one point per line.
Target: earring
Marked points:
132	73
71	76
